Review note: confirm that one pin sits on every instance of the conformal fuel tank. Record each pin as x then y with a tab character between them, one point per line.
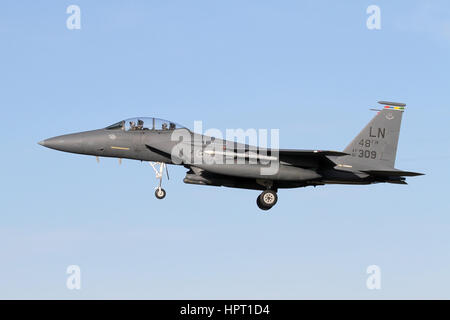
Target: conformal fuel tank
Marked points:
258	171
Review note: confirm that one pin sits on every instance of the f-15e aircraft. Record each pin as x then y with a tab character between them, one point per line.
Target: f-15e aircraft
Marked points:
369	158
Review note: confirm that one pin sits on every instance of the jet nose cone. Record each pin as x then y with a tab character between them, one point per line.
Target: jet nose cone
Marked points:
68	143
52	143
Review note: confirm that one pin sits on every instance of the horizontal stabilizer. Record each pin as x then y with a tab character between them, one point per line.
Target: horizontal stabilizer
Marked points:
392	173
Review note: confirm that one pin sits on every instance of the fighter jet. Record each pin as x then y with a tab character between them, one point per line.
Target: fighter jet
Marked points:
369	158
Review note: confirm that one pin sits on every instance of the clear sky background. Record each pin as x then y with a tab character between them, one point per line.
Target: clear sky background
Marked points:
310	68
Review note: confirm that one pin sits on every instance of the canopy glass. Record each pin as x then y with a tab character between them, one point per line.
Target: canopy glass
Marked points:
144	123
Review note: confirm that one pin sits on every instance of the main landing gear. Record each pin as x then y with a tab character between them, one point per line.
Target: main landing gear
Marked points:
159	167
267	199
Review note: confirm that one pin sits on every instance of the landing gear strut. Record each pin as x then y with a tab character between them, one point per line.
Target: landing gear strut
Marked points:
160	193
267	199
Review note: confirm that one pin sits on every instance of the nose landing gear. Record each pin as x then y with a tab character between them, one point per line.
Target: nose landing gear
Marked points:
160	193
267	199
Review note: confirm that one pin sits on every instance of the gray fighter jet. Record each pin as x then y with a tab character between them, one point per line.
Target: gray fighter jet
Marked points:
368	159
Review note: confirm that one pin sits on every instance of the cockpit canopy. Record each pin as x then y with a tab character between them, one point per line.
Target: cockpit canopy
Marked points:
144	123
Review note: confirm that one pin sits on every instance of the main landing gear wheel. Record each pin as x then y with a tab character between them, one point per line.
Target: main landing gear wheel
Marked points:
258	203
160	193
267	199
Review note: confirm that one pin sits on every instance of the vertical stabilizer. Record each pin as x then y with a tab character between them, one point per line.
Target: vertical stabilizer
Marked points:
375	147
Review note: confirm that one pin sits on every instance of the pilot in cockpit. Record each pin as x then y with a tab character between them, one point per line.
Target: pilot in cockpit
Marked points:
140	125
132	126
164	126
172	126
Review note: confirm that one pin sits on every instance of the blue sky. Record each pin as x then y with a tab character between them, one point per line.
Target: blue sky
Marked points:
310	68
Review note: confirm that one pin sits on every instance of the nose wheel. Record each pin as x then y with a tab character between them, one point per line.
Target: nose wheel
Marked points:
159	167
267	199
160	193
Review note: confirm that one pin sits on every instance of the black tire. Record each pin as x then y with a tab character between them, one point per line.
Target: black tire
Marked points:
268	198
259	204
160	193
